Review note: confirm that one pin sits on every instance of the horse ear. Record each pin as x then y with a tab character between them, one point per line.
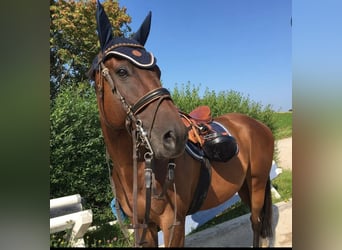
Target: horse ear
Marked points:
104	28
144	30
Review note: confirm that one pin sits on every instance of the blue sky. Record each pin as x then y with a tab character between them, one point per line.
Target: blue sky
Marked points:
222	45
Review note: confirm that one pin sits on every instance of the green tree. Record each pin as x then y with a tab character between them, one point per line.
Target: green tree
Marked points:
73	38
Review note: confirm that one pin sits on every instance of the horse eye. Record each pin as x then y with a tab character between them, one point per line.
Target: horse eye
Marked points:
122	72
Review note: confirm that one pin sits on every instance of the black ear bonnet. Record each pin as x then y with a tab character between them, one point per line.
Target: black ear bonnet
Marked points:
131	49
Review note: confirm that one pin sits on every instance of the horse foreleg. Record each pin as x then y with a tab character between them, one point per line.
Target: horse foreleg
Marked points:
150	238
174	233
175	236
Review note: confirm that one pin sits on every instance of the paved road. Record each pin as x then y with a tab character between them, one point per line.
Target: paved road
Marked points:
238	232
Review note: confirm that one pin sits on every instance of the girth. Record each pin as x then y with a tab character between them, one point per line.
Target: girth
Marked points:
202	187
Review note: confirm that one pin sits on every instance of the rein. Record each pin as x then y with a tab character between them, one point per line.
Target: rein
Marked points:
140	138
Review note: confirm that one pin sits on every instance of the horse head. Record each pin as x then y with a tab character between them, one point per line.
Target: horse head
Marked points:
129	91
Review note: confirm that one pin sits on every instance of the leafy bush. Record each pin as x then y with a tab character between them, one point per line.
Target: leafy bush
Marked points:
77	151
187	97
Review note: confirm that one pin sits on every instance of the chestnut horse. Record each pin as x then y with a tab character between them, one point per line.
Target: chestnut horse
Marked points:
155	178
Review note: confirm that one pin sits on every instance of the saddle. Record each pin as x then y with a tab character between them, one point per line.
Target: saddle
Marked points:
208	141
208	138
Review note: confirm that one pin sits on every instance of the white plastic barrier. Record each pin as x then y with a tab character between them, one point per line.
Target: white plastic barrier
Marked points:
66	213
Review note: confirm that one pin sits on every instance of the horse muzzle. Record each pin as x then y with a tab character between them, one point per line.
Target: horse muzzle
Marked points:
168	141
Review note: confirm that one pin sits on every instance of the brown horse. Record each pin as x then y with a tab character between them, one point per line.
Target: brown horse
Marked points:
155	178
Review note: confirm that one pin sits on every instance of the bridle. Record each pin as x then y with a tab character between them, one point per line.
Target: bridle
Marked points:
140	138
145	100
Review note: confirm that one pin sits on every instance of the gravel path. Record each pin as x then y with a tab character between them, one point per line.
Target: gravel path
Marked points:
285	153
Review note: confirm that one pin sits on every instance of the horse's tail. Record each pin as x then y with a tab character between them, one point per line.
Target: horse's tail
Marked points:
266	221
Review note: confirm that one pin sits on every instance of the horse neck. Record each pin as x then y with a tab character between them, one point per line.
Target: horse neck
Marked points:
120	148
119	145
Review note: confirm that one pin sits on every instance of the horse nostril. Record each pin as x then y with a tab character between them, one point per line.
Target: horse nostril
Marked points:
169	140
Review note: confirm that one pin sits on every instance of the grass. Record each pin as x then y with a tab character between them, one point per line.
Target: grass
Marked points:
283	184
284	125
105	235
111	235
